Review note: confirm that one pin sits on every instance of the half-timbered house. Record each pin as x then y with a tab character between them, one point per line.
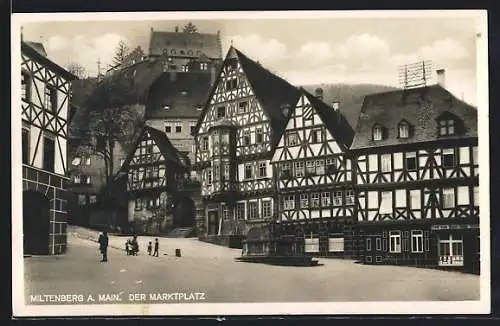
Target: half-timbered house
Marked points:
45	102
416	172
240	124
154	172
314	178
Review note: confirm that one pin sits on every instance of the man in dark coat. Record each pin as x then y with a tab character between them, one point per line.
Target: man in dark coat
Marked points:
103	245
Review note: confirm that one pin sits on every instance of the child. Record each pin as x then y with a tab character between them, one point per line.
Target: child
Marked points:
150	248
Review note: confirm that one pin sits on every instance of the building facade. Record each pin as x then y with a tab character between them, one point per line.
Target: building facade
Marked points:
313	175
45	102
238	128
416	170
157	183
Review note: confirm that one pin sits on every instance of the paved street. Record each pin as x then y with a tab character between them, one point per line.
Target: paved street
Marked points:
212	270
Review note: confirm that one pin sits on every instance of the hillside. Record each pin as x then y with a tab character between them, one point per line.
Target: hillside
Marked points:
350	96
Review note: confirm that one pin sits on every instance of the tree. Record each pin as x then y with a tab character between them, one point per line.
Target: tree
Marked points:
121	53
77	70
190	28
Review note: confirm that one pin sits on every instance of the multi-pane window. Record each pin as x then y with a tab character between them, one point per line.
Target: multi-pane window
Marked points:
192	128
92	199
253	210
266	209
76	179
310	168
289	202
315	202
285	171
417	241
448	158
231	84
448	199
209	176
316	136
404	130
168	128
204	143
349	197
386	203
377	133
48	154
337	198
259	136
304	200
411	161
25	86
243	107
248	171
331	165
203	66
240	211
184	68
394	241
225	212
87	180
247	138
299	169
262	169
216	172
138	204
178	128
291	139
325	199
385	162
320	167
51	98
221	112
25	145
446	127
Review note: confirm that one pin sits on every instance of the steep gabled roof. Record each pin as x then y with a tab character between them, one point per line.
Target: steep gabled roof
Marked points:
170	153
421	107
38	47
33	53
185	44
168	90
272	92
334	121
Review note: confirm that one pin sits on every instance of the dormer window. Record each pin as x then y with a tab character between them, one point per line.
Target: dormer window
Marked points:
404	129
184	93
203	66
377	133
446	127
166	107
199	107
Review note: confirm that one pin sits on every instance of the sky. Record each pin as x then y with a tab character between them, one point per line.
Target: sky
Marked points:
303	51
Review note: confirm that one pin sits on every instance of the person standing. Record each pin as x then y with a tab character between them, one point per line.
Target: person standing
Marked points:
150	248
157	245
103	245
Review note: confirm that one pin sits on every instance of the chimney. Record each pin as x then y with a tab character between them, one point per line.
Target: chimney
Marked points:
173	75
441	78
319	93
335	105
176	29
212	75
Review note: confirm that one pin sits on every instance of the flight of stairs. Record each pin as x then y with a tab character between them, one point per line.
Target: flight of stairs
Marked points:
181	232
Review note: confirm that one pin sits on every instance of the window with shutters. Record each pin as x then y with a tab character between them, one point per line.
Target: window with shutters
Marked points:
394	241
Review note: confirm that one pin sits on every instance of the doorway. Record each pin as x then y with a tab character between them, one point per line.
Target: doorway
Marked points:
36	223
213	222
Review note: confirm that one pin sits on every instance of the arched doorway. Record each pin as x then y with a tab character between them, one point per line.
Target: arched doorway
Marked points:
36	223
184	213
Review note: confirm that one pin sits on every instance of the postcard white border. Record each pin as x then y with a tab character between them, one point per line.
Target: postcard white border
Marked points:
482	306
